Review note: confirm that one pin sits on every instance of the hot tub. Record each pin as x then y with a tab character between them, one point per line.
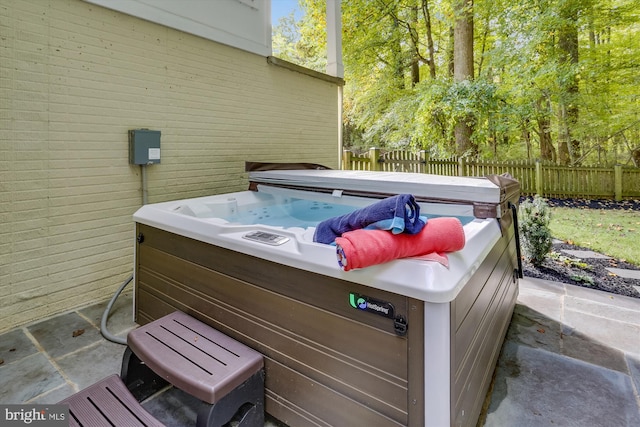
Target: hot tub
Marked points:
246	263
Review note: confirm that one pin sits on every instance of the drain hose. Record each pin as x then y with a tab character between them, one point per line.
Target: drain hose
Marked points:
103	324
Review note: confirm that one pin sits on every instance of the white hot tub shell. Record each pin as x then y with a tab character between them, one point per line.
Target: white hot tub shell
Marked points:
328	363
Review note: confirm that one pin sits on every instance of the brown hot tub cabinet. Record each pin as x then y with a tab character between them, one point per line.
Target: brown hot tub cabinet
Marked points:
427	362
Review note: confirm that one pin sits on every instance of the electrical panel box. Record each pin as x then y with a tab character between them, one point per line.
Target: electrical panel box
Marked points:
144	146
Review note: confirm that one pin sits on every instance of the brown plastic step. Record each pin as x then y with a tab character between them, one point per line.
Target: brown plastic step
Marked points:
107	403
193	356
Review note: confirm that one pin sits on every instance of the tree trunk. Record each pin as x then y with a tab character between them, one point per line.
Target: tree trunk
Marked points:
415	54
463	41
463	69
430	47
526	137
568	145
635	157
398	63
564	154
450	52
547	151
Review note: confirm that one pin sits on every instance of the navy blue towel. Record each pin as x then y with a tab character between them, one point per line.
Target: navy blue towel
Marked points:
397	214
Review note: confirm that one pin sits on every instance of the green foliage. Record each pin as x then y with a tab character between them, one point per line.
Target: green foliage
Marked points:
535	235
569	261
523	81
302	42
443	102
284	39
588	280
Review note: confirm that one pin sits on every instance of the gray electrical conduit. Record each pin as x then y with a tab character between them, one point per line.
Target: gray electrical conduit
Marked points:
103	323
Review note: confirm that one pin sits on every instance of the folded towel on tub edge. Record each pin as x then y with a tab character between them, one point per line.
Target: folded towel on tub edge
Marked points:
398	214
363	248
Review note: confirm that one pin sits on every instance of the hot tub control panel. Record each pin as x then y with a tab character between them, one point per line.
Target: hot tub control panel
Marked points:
267	238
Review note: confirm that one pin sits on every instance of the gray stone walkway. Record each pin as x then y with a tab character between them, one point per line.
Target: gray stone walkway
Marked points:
623	272
585	254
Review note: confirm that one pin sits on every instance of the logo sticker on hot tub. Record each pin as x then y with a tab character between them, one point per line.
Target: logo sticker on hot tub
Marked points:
372	305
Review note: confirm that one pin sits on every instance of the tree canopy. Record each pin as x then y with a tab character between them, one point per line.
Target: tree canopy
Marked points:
557	80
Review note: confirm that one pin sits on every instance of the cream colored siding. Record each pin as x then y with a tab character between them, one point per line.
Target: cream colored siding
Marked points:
74	78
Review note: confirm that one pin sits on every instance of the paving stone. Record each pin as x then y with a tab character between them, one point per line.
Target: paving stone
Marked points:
173	407
621	335
550	304
585	254
582	347
27	378
530	382
15	345
634	369
603	297
607	310
56	335
534	329
54	396
530	283
92	364
623	272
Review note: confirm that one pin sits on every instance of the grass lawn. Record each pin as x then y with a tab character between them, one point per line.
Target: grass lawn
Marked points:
615	233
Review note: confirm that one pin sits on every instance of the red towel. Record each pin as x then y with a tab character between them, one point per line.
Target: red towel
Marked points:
363	248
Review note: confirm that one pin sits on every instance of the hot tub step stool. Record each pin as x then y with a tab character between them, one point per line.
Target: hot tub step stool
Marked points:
227	376
107	403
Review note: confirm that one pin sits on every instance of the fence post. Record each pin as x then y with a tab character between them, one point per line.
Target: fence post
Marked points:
374	154
461	163
539	187
617	172
424	162
346	159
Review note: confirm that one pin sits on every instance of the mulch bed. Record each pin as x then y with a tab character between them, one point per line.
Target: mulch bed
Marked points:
591	272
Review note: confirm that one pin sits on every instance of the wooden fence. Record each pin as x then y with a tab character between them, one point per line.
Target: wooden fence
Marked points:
548	180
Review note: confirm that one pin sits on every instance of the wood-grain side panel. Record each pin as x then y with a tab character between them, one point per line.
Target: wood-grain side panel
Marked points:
371	347
319	403
468	328
468	295
301	321
478	341
312	288
416	355
295	399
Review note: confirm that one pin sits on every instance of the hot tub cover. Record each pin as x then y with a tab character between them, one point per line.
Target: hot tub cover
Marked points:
438	187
